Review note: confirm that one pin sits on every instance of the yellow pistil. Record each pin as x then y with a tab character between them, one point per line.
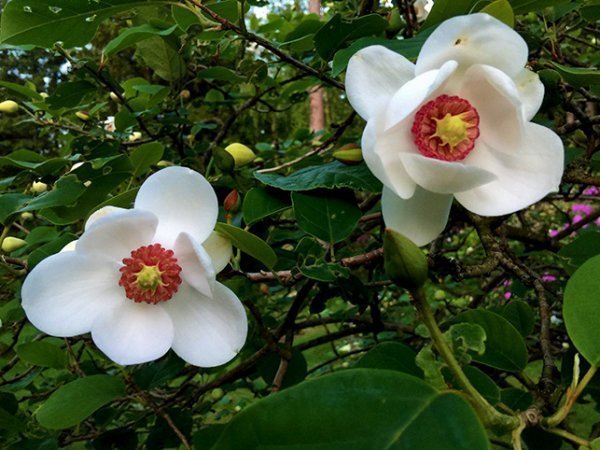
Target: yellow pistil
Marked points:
149	278
451	129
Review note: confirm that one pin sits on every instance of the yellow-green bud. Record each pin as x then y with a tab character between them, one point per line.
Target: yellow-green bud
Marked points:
83	115
44	95
185	94
135	136
241	154
10	244
350	154
217	394
404	262
39	186
26	216
8	106
164	163
114	97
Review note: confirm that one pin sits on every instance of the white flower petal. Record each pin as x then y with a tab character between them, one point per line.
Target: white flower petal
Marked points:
444	177
208	331
220	250
134	333
474	39
495	97
182	200
531	92
63	295
102	212
524	177
421	218
381	154
415	92
114	236
374	73
196	264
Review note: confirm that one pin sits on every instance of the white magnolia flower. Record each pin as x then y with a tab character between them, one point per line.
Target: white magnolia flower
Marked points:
109	124
142	280
422	9
454	125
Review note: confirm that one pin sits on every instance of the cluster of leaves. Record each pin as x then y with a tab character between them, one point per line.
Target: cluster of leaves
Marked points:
183	79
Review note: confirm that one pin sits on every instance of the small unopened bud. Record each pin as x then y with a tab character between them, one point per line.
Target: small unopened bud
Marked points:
241	154
44	95
232	202
404	262
8	106
217	394
164	163
26	216
185	94
114	97
83	115
39	186
349	154
10	244
135	136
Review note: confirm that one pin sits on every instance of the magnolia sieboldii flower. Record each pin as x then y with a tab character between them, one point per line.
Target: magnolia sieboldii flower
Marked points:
422	9
142	280
454	125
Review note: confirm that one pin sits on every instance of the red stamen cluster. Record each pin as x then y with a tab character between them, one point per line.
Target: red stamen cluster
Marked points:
159	260
425	129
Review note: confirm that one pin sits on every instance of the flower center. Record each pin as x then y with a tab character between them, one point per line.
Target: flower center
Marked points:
446	128
151	275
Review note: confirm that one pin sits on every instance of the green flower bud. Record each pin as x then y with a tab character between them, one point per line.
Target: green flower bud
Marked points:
83	115
8	106
10	244
26	216
39	186
404	262
350	154
241	154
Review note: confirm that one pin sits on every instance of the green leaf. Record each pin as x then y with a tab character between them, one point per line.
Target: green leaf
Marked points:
260	203
590	11
26	159
228	9
248	243
76	401
183	17
48	249
501	10
131	36
480	381
443	10
525	6
504	346
391	356
336	32
431	367
581	310
157	373
70	94
145	156
9	204
295	373
72	22
582	248
516	399
219	73
10	422
578	76
464	338
21	91
65	191
409	48
40	353
332	175
520	315
356	410
162	56
329	218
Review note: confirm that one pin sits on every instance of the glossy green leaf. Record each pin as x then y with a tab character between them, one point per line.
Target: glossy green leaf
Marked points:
578	76
356	410
183	17
501	10
480	381
65	191
228	9
26	159
446	9
520	315
145	156
329	218
581	310
409	48
49	248
72	22
260	203
162	56
525	6
219	73
391	356
21	91
504	346
131	36
295	373
248	243
335	33
70	94
331	175
10	203
76	401
40	353
516	399
585	245
9	422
